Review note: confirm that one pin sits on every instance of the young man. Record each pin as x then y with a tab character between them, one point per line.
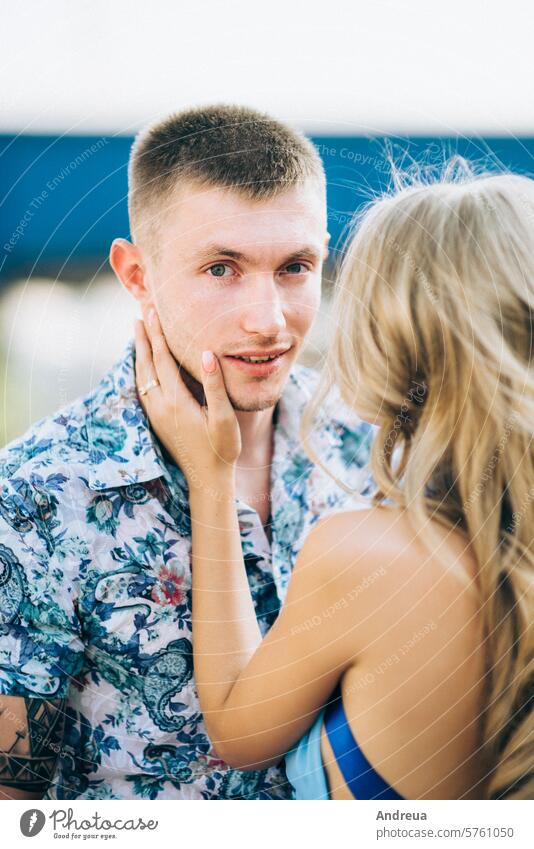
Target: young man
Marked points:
228	218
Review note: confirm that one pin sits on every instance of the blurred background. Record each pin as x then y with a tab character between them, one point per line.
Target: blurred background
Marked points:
414	80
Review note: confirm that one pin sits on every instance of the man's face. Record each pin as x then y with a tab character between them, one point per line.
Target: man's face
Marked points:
241	278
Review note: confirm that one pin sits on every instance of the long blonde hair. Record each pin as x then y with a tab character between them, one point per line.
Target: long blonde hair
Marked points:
434	318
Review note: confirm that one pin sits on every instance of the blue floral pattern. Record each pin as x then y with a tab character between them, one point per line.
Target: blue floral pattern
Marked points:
95	585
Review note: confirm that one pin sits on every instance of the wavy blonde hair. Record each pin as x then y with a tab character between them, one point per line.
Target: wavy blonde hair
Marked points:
433	313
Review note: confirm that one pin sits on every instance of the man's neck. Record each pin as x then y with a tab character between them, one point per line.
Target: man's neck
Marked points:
253	468
256	435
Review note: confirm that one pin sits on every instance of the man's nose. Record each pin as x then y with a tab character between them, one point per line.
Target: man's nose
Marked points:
262	311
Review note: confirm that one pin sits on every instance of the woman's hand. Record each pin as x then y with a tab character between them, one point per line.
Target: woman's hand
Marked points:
203	441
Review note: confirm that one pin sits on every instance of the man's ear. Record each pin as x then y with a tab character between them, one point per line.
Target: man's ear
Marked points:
126	260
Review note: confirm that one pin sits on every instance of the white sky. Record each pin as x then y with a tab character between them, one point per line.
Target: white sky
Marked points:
345	66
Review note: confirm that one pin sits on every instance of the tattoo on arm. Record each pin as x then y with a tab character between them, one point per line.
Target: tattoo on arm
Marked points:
32	738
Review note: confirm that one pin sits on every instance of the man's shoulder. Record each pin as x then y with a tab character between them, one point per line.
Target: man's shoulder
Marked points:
65	441
55	444
337	443
335	413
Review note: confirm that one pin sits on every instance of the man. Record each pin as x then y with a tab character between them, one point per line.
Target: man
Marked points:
228	219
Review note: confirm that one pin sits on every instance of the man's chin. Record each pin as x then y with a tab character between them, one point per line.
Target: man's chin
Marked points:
253	405
254	399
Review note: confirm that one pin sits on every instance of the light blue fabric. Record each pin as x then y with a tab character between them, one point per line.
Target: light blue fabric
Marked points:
304	765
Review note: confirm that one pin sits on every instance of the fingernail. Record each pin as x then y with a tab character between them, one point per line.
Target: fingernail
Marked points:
151	315
208	361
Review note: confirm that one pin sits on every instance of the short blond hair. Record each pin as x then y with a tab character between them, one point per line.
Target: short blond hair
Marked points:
226	146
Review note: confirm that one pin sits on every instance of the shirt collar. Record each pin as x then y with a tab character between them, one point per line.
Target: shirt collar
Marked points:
122	448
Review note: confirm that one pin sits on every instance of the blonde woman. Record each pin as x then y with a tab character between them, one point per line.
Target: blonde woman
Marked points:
401	663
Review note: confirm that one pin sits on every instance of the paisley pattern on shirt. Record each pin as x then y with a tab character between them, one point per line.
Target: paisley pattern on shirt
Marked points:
95	585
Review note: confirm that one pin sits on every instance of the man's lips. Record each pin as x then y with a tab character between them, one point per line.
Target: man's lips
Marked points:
259	369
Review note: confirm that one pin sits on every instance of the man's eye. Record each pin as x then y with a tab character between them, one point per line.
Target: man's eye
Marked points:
220	269
296	268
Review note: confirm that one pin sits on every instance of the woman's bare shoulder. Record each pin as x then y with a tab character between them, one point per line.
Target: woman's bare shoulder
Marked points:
352	543
384	581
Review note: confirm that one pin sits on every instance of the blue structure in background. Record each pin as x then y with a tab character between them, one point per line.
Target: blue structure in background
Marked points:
63	198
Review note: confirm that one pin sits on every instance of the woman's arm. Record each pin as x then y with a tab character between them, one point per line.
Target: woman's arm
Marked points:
258	697
225	628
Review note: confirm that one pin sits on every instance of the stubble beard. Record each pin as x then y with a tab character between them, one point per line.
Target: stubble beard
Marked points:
256	407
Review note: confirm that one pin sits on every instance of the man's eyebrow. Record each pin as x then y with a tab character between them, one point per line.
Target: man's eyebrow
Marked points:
306	253
210	251
215	250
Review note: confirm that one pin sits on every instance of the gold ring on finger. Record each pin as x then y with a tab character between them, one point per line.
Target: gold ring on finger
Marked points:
144	389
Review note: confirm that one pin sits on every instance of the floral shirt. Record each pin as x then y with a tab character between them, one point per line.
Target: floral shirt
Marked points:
95	585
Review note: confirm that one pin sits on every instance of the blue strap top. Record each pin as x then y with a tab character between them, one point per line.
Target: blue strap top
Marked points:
361	778
304	766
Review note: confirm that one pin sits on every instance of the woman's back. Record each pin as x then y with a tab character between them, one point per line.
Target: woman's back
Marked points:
414	697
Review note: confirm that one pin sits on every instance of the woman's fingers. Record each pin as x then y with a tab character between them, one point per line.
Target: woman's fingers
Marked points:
167	371
163	360
145	371
219	406
222	425
206	433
